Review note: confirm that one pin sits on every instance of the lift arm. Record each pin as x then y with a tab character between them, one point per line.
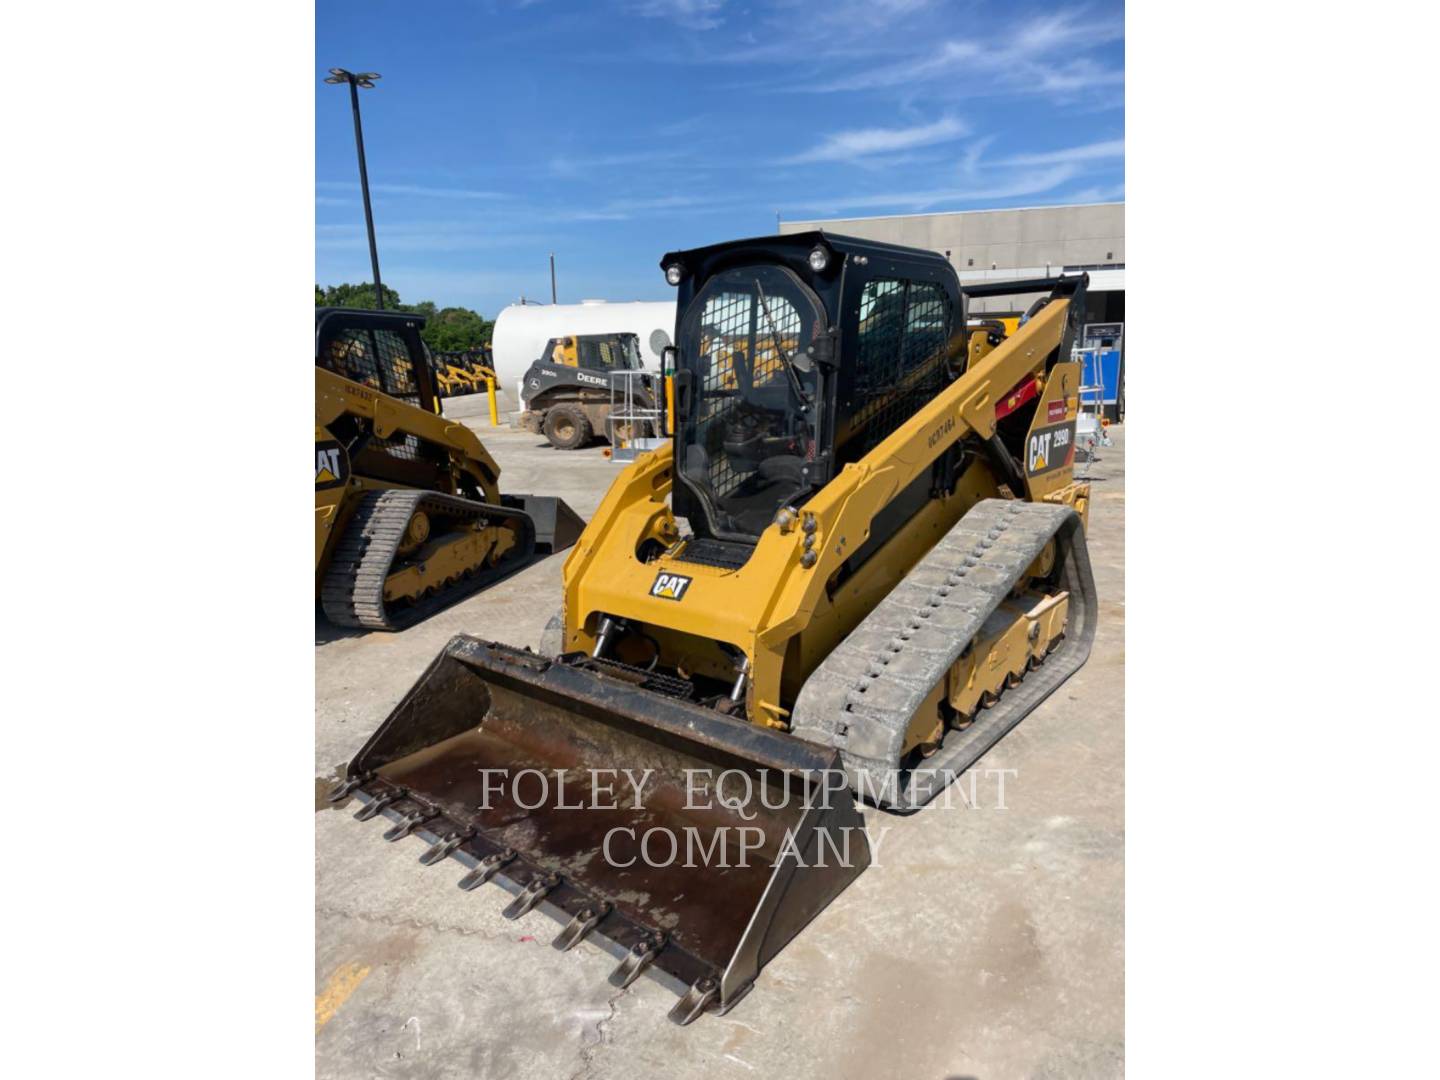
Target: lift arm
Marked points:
842	512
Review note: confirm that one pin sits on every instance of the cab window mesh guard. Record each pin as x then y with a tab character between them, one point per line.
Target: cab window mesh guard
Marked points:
379	359
904	326
737	338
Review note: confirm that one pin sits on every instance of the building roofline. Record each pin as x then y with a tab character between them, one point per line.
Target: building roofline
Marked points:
941	213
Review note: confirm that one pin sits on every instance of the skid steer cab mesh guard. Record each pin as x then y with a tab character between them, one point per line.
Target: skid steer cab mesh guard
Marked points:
690	845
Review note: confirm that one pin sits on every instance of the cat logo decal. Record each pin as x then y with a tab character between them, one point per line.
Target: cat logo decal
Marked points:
670	586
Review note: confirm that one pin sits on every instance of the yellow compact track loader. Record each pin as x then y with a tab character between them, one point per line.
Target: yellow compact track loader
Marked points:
408	512
857	564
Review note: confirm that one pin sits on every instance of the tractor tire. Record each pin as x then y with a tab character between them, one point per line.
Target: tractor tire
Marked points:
567	427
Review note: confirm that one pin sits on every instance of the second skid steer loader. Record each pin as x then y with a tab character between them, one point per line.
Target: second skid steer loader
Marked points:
859	562
409	517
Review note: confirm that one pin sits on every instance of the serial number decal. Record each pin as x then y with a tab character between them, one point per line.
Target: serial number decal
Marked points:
1049	448
670	586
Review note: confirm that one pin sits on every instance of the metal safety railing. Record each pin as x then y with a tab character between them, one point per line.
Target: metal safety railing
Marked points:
631	426
1090	426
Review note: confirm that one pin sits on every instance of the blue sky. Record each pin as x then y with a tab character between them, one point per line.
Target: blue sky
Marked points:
611	132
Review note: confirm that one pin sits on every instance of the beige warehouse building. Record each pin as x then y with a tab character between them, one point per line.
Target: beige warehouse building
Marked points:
999	244
1029	242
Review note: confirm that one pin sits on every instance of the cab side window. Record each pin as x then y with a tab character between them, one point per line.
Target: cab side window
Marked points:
900	363
379	359
600	354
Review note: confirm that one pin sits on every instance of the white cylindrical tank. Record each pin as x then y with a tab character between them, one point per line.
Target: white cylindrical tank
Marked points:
521	331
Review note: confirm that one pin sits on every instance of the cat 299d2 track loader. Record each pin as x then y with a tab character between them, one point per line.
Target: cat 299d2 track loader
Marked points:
861	556
408	512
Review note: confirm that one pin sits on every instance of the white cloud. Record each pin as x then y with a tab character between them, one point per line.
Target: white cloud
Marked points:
863	142
1040	56
421	236
1074	75
948	58
415	189
1033	183
691	14
1113	193
625	209
435	193
570	165
1111	148
970	163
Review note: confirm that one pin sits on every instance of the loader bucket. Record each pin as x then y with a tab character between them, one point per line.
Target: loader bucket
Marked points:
514	764
557	527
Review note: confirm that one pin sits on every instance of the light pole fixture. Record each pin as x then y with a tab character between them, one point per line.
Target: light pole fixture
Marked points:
367	80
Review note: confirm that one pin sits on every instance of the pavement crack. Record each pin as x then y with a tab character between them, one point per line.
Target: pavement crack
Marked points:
602	1037
411	923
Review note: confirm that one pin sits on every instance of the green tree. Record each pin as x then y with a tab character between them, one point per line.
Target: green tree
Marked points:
446	329
355	296
456	328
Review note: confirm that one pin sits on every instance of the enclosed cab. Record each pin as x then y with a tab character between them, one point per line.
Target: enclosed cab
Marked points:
766	411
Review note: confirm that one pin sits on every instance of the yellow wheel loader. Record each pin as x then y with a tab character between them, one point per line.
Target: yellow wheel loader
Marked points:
857	564
409	516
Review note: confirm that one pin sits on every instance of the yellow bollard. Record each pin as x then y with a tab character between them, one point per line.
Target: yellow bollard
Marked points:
494	407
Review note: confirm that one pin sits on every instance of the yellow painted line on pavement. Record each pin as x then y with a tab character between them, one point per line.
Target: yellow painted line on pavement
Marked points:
341	984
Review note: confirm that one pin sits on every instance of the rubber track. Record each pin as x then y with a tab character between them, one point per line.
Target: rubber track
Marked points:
354	588
863	696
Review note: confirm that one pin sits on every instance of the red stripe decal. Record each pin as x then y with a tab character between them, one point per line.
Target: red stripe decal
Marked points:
1022	393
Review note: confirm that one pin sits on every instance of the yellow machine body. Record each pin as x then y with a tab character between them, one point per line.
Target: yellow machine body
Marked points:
861	550
774	609
408	510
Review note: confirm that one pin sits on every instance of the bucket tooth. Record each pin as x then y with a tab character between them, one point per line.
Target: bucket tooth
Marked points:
343	790
636	960
696	1000
375	805
442	848
531	895
486	869
585	920
407	824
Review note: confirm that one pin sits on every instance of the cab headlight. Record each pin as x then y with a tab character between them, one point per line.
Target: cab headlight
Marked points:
819	259
674	273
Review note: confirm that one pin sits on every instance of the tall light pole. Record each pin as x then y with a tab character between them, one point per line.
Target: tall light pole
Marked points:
367	80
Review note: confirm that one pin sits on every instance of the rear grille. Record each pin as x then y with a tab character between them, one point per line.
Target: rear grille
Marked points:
718	553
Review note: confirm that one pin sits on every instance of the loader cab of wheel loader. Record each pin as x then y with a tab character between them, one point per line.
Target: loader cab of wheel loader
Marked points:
796	355
381	350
